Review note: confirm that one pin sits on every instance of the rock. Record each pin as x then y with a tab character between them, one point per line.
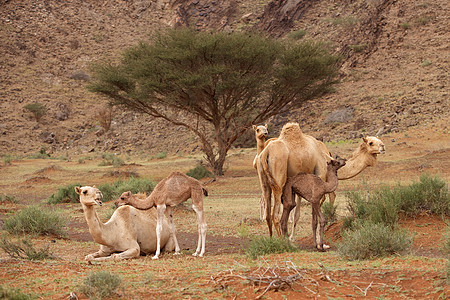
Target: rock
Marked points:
62	113
80	75
340	115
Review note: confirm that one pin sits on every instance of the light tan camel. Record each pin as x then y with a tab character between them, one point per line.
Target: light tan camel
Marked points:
294	152
169	192
261	133
313	189
127	231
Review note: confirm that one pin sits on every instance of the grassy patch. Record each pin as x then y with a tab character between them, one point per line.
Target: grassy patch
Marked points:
297	34
101	284
64	194
109	159
36	220
7	198
14	294
199	172
369	240
262	245
135	185
24	249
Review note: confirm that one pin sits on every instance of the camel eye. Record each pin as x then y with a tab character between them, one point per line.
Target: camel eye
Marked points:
371	144
85	192
122	198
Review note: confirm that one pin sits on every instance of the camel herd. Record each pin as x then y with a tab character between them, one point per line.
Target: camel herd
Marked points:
292	164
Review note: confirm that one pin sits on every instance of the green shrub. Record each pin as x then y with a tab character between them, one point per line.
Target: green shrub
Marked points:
298	34
101	284
111	160
14	294
7	160
370	240
405	25
7	198
161	155
199	172
42	154
37	109
64	195
262	245
24	249
358	47
36	220
135	185
329	212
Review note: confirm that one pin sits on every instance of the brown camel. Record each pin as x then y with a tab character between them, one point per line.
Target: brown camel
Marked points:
312	188
169	192
124	232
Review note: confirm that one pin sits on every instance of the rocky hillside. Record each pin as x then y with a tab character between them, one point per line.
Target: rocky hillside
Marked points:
395	71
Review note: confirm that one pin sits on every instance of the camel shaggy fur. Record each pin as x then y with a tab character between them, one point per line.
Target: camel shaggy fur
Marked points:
129	231
313	189
169	192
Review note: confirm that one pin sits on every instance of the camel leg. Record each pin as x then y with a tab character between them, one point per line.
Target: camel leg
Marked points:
298	200
332	197
201	231
262	208
104	251
322	225
314	223
276	211
159	221
267	195
288	205
172	229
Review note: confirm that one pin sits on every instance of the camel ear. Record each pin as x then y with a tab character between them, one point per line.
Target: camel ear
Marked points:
265	125
254	127
129	194
94	186
78	190
364	139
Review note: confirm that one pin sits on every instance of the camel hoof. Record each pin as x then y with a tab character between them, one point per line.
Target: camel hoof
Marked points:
194	254
89	257
177	253
326	246
155	257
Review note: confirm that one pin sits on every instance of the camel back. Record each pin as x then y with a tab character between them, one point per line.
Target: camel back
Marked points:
292	133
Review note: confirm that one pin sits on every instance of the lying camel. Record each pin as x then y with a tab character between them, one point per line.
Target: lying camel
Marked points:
169	192
126	231
313	189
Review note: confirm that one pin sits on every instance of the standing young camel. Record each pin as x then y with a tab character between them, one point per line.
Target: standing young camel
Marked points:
313	189
169	192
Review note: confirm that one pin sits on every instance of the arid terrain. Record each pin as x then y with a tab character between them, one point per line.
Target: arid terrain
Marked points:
394	83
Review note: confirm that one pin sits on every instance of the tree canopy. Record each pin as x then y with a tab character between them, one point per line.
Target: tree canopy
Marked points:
215	84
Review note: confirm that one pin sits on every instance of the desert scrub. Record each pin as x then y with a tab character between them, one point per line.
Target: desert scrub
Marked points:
369	240
37	109
64	194
7	198
161	155
14	294
36	220
42	154
24	249
199	172
135	185
101	284
297	34
111	160
329	212
262	245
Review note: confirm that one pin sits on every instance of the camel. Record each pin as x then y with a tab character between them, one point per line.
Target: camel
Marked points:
125	232
260	136
169	192
294	152
313	189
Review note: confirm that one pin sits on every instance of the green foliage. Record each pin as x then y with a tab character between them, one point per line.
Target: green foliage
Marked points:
7	198
64	194
101	284
161	155
14	294
425	63
405	25
42	154
111	160
135	185
262	245
37	109
329	212
358	47
369	240
7	160
199	172
24	249
219	78
347	22
36	220
298	34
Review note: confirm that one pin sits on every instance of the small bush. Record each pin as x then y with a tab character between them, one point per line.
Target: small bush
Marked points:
101	284
104	116
405	25
111	160
161	155
262	245
36	220
7	198
199	172
14	294
329	212
358	47
298	34
7	160
37	109
370	240
42	154
135	185
24	249
64	195
425	63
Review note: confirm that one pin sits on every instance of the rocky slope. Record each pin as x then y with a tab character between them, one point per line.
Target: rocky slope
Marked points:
394	73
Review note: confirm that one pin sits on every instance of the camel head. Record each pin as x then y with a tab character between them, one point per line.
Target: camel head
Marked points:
260	131
89	195
373	145
124	199
336	163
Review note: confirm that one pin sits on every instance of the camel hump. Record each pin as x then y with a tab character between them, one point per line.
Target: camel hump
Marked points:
291	131
205	191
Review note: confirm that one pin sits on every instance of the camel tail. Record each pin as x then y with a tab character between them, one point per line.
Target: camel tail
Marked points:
264	157
205	191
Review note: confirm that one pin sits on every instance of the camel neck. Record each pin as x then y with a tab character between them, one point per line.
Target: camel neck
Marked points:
356	164
260	145
332	181
143	203
96	227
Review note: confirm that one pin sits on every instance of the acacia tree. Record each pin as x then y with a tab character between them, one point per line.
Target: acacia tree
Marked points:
215	84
